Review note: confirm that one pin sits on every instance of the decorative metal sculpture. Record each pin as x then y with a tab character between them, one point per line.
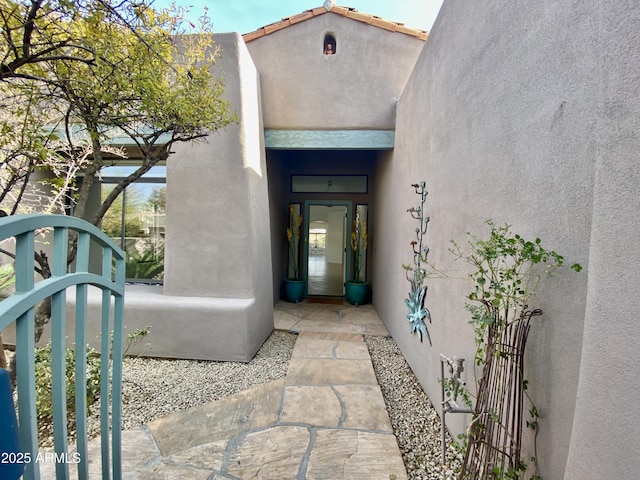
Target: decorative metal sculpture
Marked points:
416	272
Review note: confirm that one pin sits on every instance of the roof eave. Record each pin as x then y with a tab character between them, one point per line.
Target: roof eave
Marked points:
338	10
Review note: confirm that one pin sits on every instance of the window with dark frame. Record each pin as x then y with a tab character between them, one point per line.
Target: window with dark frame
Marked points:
136	221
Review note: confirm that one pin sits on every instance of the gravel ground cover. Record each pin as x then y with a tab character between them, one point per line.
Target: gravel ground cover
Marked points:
153	388
415	422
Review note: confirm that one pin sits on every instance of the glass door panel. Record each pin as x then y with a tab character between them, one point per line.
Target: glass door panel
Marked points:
326	260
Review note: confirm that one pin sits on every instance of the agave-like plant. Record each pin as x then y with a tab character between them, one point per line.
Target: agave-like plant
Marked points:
148	265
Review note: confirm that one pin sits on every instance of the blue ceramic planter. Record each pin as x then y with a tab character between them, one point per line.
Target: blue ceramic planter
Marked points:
293	289
356	292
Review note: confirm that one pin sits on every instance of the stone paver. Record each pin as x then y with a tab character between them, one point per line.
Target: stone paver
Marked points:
330	345
209	456
226	418
139	454
314	405
322	371
364	407
348	454
325	420
310	317
174	472
274	453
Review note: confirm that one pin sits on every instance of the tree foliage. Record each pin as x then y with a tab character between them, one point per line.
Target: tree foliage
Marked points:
92	70
74	75
36	33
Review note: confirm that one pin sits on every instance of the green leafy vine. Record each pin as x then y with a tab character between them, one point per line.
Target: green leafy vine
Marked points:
506	272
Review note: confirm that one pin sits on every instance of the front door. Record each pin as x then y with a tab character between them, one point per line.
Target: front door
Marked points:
325	252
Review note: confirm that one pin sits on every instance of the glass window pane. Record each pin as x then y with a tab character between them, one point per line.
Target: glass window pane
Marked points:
145	243
118	171
141	210
112	219
329	184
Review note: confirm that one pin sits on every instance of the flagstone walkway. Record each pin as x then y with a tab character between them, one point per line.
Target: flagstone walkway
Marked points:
325	420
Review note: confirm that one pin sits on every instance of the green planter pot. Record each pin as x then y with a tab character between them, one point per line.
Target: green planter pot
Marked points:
356	292
293	289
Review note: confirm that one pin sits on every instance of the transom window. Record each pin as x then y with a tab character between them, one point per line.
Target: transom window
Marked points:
329	183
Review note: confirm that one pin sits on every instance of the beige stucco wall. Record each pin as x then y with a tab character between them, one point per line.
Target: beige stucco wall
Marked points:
217	227
358	87
210	249
607	417
527	114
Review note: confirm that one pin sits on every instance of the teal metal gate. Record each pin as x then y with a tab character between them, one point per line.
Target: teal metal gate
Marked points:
20	308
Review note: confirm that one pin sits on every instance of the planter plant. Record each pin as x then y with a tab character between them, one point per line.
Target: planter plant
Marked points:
356	289
294	285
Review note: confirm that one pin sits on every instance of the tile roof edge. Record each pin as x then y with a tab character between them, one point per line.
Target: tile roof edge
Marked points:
338	10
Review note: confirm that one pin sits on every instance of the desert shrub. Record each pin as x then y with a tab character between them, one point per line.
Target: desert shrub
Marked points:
43	373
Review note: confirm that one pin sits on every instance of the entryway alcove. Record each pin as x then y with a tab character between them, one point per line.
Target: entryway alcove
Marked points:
323	168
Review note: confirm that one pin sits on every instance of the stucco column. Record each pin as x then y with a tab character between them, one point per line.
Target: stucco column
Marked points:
218	293
217	230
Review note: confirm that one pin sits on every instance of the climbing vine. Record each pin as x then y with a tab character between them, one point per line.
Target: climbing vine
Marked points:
506	271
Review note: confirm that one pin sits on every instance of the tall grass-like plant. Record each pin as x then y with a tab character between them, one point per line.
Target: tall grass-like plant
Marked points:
359	241
293	238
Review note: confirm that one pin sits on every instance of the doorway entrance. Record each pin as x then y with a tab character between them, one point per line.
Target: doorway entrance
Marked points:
325	256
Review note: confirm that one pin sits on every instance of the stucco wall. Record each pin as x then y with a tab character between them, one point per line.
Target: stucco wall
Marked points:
607	419
210	250
512	113
218	224
358	87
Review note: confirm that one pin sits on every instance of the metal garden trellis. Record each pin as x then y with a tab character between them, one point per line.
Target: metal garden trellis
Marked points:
495	433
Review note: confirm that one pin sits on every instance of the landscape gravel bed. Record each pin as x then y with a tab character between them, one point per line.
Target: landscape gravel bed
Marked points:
153	388
415	421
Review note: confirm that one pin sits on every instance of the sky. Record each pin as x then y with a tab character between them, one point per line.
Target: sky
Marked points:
245	16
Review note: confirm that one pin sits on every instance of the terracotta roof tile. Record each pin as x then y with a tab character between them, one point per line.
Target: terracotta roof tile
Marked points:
319	10
339	10
382	23
345	12
301	17
412	31
361	17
